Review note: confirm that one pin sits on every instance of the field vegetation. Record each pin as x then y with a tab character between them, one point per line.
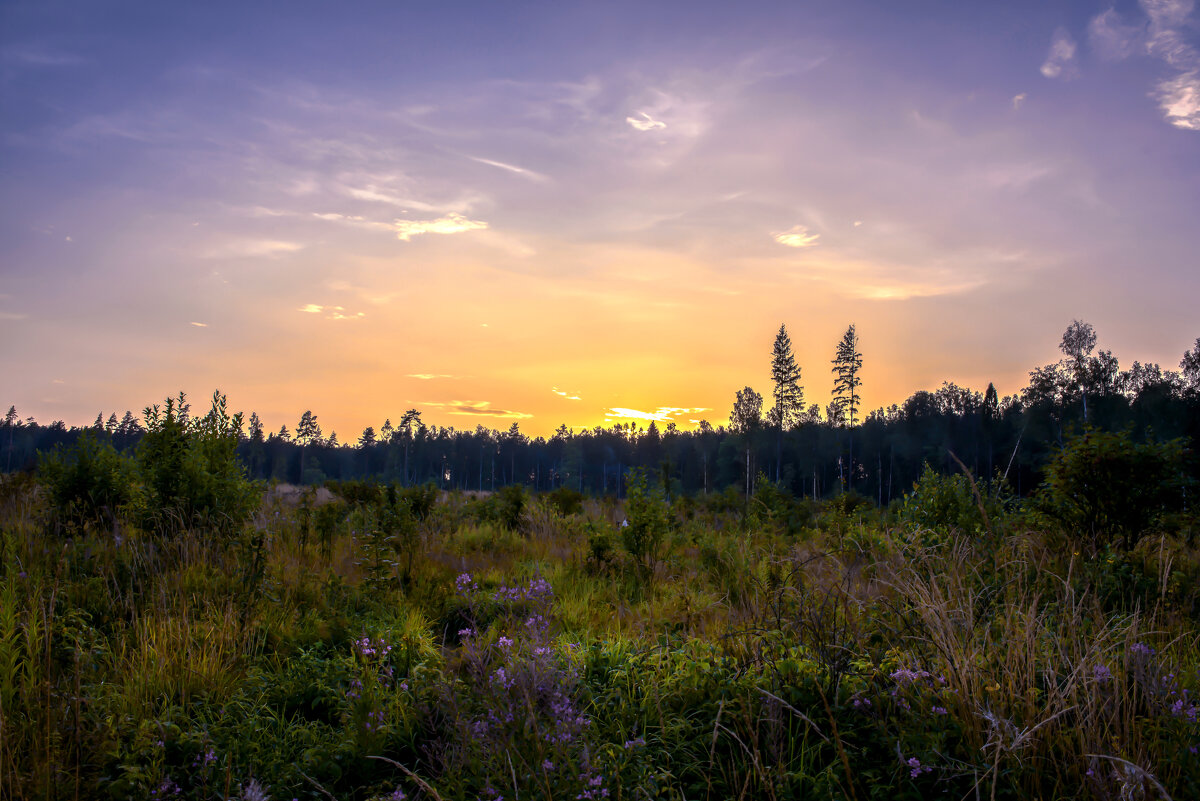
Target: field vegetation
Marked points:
170	629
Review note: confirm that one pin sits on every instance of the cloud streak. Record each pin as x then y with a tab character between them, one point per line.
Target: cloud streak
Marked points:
663	414
330	312
797	237
477	409
452	223
646	123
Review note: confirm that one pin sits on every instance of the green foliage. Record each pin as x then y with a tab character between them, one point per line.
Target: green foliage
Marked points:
1104	488
89	483
505	507
777	507
566	500
190	471
946	504
602	543
329	518
358	493
420	500
647	525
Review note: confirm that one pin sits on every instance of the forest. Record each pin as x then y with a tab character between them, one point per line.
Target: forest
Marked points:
807	452
961	596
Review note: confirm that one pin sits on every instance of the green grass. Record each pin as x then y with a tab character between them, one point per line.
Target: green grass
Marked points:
861	657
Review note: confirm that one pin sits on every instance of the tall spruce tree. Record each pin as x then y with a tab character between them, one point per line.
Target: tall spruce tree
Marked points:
789	395
847	361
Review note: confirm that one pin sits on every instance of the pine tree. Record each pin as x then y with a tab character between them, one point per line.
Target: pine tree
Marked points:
308	431
846	364
367	439
789	395
256	428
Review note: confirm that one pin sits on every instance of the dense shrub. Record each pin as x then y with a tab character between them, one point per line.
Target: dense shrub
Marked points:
647	525
947	503
88	483
190	471
566	500
1104	488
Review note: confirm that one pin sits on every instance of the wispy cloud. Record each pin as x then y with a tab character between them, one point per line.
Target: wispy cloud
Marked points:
378	195
32	55
1112	39
353	220
664	414
199	325
330	312
254	248
1165	39
1018	100
1179	98
1060	61
477	409
12	316
430	376
646	123
524	173
450	224
797	237
564	394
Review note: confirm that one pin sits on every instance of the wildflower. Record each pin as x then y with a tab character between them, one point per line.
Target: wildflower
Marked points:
1141	649
504	642
398	795
634	743
916	768
464	584
1102	673
940	710
547	765
253	791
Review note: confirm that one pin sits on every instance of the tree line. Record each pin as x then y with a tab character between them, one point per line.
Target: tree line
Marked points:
802	449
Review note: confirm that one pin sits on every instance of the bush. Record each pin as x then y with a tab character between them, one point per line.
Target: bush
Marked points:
190	470
946	503
88	483
504	507
1103	488
647	524
566	500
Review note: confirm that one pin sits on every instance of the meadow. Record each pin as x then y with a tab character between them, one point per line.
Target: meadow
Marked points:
371	641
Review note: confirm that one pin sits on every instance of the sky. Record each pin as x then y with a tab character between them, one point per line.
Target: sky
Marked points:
582	213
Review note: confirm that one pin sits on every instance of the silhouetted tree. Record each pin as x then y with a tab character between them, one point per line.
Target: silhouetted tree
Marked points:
847	361
1190	365
308	431
789	395
744	420
1077	343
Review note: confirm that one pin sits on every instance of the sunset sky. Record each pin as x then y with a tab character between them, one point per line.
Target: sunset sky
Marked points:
575	213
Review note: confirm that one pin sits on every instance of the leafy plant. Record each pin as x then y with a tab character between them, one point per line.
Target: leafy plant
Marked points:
89	483
190	470
647	526
1104	487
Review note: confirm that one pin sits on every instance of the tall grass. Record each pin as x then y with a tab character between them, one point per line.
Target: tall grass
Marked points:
854	657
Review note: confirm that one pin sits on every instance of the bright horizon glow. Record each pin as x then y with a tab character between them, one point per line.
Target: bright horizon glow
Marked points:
551	214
